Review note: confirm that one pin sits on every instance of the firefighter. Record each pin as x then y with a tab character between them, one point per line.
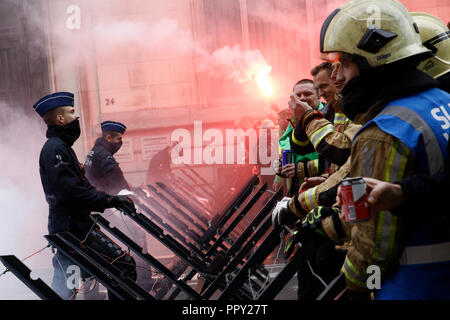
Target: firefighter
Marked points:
405	196
70	196
376	57
435	35
326	260
306	162
332	140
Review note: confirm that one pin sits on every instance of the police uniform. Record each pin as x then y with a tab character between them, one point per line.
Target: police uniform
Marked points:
159	166
70	196
102	169
104	172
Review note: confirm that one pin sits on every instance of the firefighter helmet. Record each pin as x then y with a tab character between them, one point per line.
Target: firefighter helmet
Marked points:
381	31
435	36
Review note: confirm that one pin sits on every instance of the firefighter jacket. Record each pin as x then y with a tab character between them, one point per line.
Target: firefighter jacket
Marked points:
102	169
70	196
424	265
399	138
333	143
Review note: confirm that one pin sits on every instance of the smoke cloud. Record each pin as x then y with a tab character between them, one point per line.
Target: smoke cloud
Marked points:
24	210
168	36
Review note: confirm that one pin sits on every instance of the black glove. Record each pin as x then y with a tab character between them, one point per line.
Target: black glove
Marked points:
291	244
122	203
309	233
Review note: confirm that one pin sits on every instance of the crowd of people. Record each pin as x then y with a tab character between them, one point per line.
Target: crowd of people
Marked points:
385	82
387	85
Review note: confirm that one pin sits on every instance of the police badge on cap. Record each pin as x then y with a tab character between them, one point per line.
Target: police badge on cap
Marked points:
113	126
52	101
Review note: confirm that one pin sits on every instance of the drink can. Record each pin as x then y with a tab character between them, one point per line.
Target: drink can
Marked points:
354	199
286	157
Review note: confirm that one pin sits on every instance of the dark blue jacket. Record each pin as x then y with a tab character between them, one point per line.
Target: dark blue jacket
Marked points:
102	170
433	188
70	196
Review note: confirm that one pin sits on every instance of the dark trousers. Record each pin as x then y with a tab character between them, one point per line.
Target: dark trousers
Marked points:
326	263
104	247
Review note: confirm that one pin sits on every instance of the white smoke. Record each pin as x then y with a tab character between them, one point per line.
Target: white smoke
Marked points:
235	64
164	35
23	208
283	15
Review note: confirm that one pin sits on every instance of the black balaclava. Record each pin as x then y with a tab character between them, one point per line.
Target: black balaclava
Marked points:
386	82
444	81
114	146
69	132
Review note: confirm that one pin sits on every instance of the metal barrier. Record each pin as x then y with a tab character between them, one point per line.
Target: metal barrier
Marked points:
229	267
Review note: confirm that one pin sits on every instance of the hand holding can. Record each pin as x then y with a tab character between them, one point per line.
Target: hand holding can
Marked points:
354	199
286	157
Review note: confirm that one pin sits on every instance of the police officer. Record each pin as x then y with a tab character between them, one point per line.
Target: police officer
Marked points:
104	172
70	196
102	169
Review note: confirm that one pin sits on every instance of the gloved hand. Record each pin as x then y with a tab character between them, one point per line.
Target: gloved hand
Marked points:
282	215
291	244
309	232
122	203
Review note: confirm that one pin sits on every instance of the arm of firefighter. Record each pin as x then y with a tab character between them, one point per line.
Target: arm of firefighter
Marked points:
69	185
336	228
324	194
307	169
375	241
334	145
299	140
296	208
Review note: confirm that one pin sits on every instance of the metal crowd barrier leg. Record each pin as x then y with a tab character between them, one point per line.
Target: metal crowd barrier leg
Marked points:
103	274
146	257
238	259
22	272
266	247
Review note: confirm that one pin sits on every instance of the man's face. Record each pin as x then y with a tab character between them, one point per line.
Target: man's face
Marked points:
306	92
325	86
67	115
116	138
343	71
